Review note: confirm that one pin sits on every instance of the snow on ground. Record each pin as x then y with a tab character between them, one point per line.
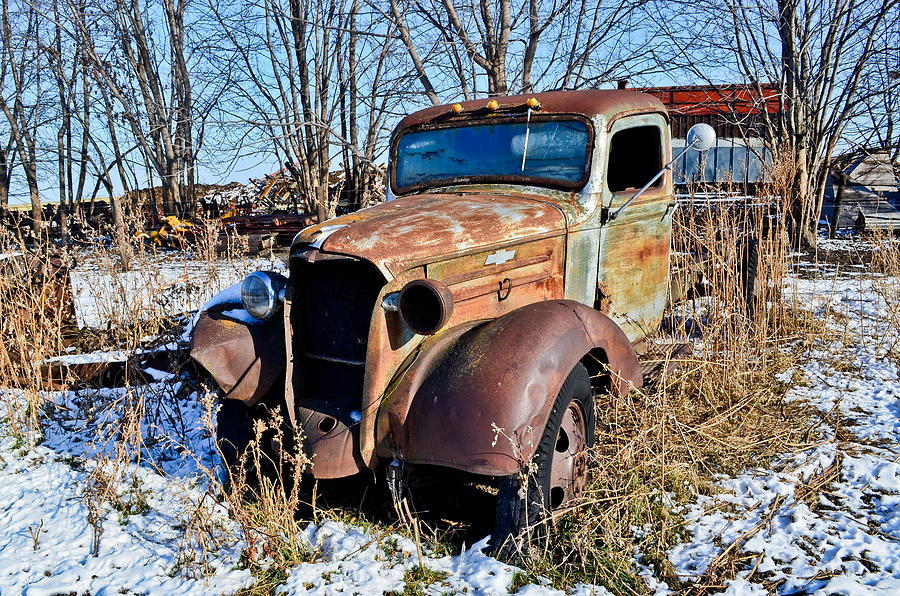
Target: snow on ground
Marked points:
825	520
846	242
166	283
47	543
356	562
842	537
46	546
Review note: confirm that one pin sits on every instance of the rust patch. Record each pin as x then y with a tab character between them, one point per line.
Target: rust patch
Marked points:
244	360
604	298
411	231
500	374
604	102
45	279
330	440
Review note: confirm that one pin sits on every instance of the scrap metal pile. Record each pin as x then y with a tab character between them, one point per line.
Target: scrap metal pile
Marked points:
267	213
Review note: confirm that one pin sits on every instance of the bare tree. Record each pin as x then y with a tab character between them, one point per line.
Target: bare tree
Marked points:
309	68
20	69
372	84
878	129
816	53
64	61
102	171
152	83
516	47
7	163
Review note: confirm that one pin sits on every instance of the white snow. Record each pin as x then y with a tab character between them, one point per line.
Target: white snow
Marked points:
845	539
165	284
40	495
90	357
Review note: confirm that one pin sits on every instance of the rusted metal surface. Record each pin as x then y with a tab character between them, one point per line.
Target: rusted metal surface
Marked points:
533	272
641	238
244	359
425	305
110	370
284	227
568	475
446	409
523	268
42	279
606	103
420	229
330	440
660	360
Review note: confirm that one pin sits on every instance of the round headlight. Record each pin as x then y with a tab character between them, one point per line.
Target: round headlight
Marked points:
261	293
425	305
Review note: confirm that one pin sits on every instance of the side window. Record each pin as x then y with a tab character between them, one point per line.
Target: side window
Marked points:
635	156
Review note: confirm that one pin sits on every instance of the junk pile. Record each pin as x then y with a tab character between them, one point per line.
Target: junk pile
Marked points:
267	212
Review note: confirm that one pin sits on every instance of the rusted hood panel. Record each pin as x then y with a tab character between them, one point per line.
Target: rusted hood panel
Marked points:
426	228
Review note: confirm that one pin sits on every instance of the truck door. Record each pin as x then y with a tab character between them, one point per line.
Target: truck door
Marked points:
634	247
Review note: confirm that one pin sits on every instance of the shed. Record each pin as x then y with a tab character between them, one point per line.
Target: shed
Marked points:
869	198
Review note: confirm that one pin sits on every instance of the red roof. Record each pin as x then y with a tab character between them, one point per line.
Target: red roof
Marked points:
721	99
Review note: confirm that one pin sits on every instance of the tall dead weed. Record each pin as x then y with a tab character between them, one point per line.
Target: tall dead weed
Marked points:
718	411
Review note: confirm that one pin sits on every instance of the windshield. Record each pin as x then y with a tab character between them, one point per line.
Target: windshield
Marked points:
556	154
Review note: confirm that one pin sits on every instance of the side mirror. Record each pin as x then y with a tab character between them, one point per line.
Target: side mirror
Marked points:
701	137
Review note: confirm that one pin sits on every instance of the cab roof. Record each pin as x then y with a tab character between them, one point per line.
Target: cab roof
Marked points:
590	102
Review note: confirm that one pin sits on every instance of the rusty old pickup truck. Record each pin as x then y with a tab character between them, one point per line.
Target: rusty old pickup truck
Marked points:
470	320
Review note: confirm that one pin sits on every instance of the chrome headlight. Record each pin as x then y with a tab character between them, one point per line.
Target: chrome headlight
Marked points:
262	293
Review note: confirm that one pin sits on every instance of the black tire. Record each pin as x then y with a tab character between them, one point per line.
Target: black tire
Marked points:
526	501
235	431
749	252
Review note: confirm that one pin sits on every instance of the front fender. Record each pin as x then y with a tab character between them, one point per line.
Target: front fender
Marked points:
244	355
478	397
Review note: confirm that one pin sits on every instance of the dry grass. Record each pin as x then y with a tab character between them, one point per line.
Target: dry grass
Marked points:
37	324
32	326
886	269
720	412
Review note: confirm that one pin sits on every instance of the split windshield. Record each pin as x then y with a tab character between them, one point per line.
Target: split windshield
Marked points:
556	154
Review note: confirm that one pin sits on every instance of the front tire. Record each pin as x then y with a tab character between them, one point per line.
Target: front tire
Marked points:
235	431
527	501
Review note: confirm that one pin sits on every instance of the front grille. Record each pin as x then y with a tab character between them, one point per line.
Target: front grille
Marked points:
333	304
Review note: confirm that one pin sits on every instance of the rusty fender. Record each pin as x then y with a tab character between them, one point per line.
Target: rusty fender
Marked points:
245	356
478	400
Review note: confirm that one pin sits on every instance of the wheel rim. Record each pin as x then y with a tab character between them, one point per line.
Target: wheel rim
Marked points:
568	473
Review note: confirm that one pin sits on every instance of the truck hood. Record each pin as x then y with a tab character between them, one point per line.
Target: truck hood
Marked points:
419	229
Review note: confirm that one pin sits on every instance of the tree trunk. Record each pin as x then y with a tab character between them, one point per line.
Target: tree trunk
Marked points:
37	213
4	177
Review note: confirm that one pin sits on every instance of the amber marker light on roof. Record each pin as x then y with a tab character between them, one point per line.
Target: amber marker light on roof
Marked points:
456	109
533	103
493	104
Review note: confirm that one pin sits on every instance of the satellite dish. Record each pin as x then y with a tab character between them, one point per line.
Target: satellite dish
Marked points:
701	137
